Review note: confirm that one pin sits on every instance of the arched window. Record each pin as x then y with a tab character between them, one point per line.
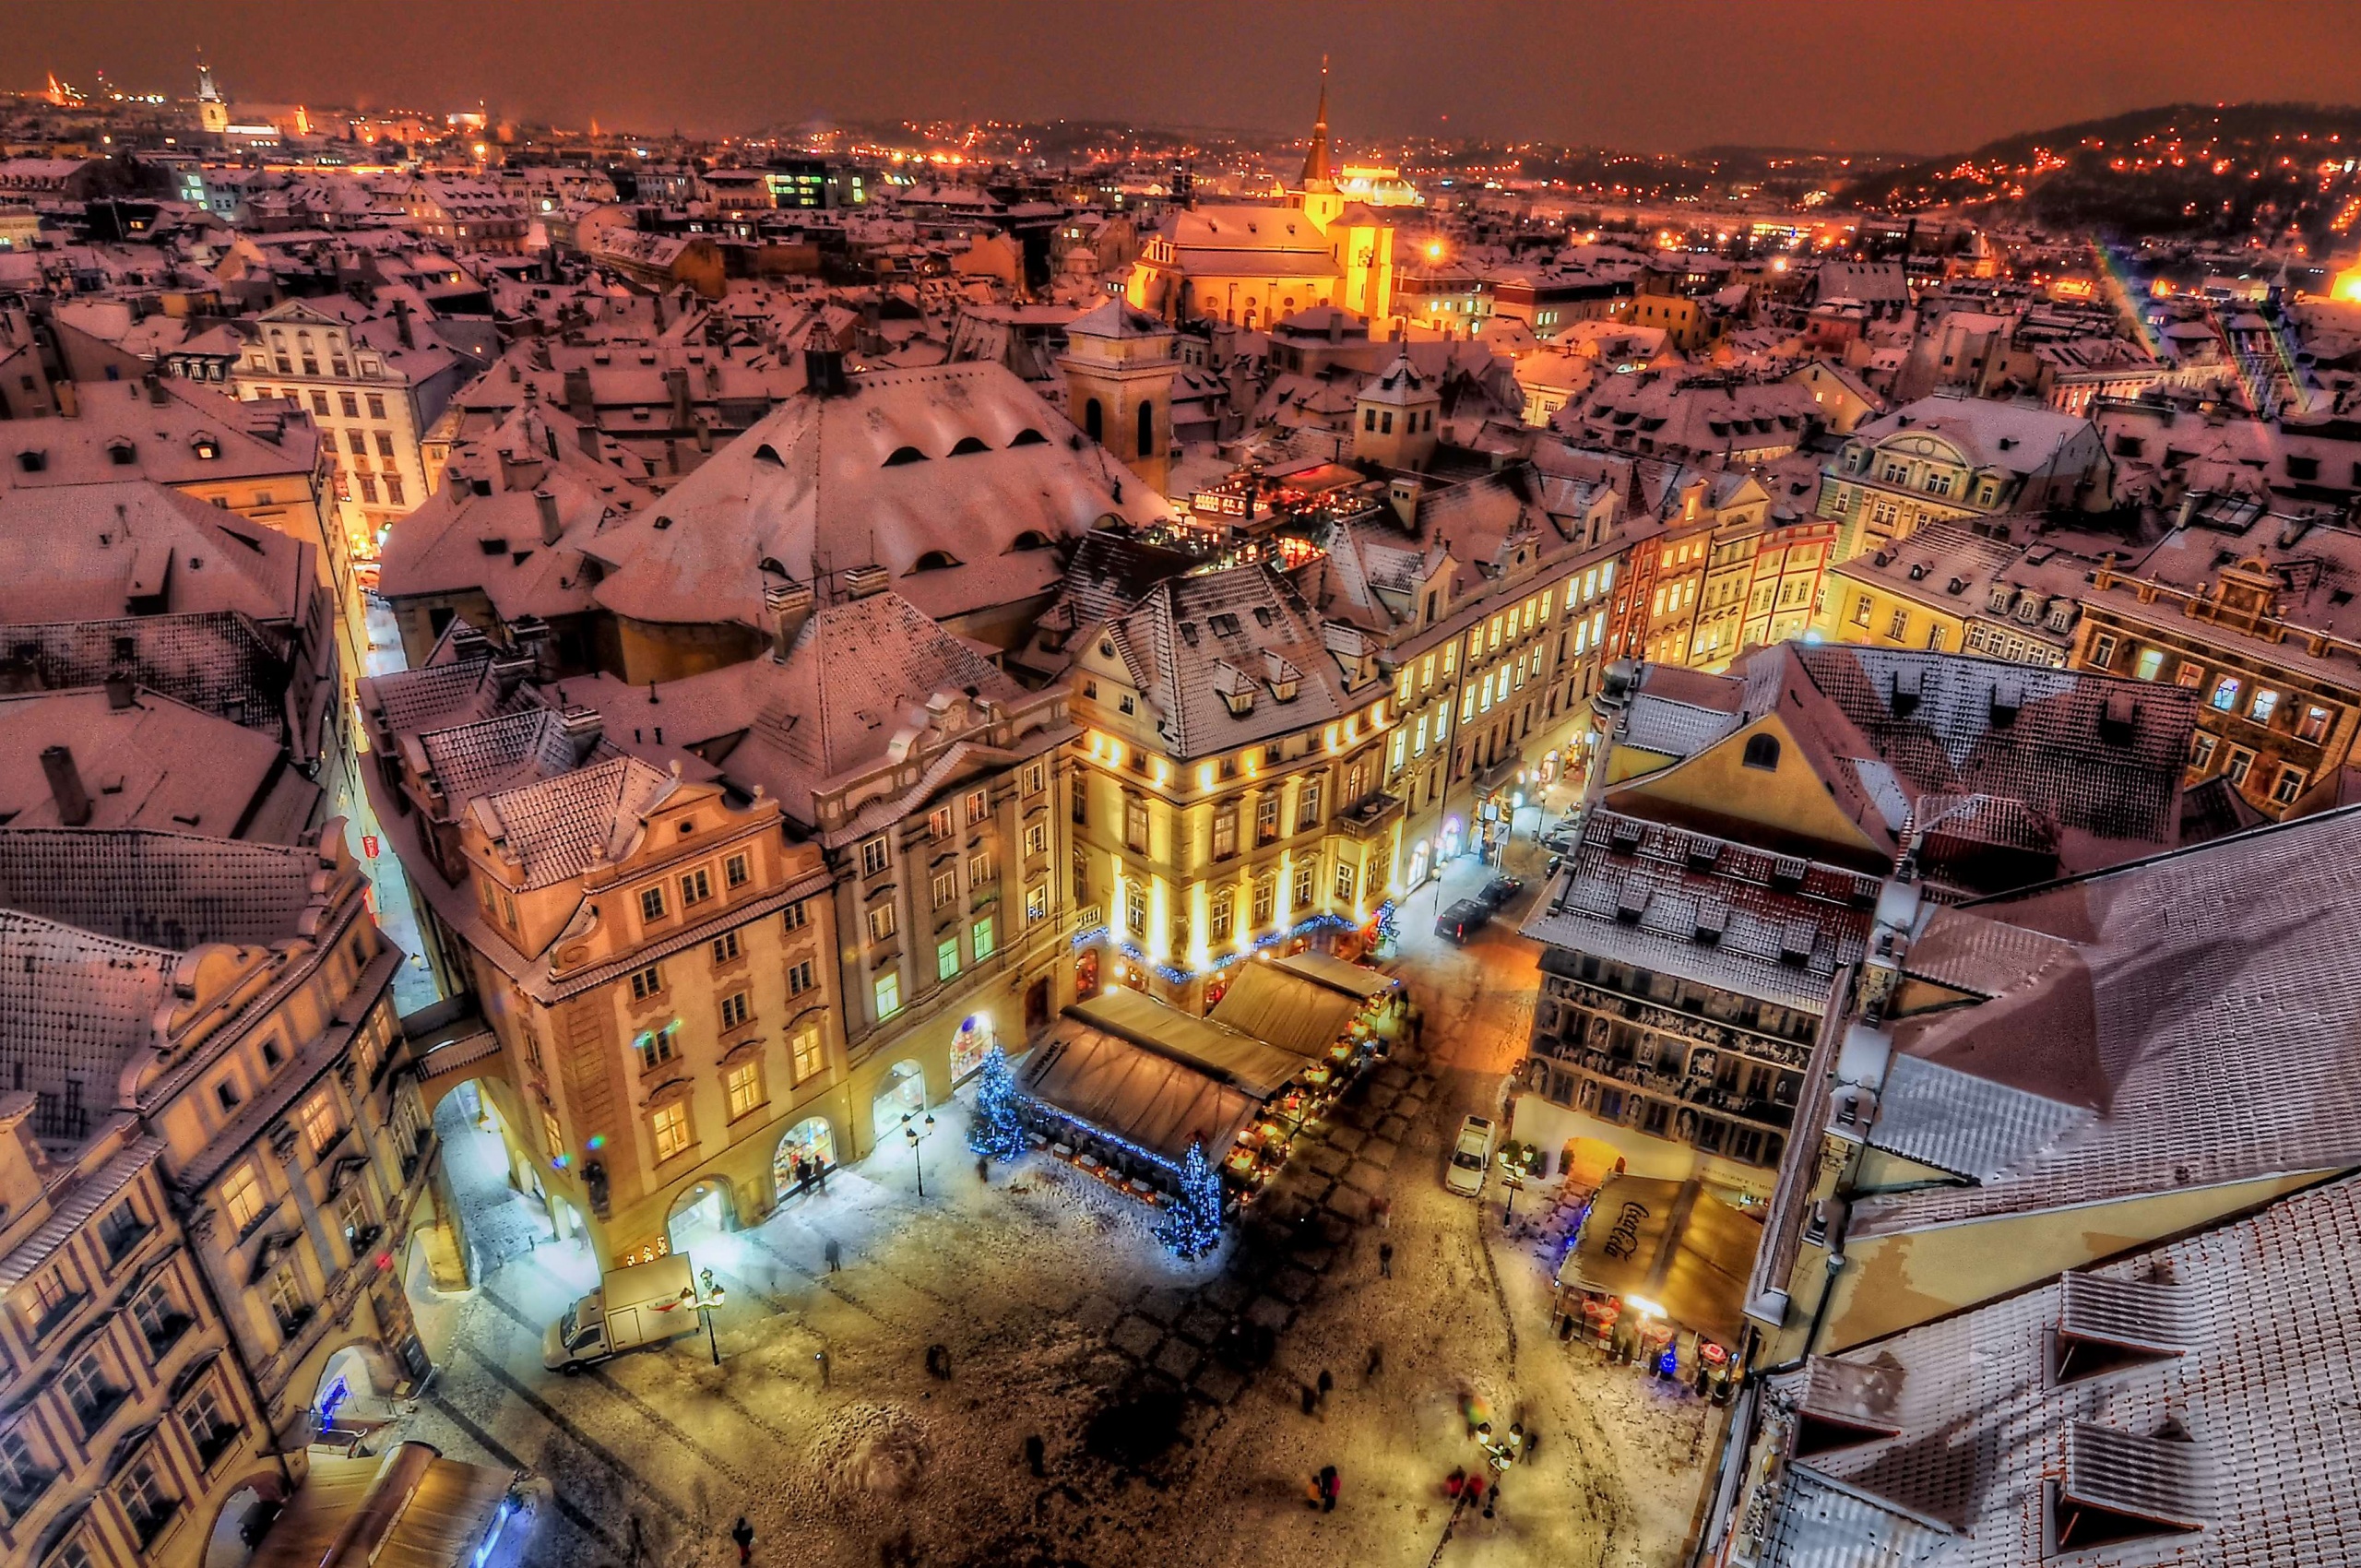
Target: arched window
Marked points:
1094	421
934	561
766	453
967	443
1032	539
902	455
1028	436
1762	752
1147	429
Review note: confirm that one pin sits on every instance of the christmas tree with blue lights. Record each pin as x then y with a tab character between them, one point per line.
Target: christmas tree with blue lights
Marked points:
997	1131
1192	1225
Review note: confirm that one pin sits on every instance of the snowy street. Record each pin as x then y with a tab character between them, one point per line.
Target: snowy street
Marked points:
1169	1399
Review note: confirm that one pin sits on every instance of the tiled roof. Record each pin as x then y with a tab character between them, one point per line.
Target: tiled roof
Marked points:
2248	1422
491	755
81	1203
1239	629
88	550
1718	913
559	828
171	891
826	484
74	1006
2192	1020
156	764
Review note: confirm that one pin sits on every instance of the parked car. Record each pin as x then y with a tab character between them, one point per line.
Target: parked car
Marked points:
1559	836
1462	920
1471	1157
1499	891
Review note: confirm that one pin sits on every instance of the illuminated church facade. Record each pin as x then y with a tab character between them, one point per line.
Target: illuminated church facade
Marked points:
1254	266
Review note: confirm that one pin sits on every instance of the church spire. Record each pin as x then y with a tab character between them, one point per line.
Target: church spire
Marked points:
1315	163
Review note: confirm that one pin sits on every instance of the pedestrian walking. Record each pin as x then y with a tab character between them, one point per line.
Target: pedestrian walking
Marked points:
1033	1453
802	1175
744	1534
1327	1384
1385	1260
1475	1491
835	1252
984	1169
1376	1361
1455	1483
1329	1486
1385	1207
1313	1494
820	1359
1308	1397
938	1361
638	1546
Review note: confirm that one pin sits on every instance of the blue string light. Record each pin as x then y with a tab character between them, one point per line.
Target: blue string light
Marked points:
997	1131
1192	1225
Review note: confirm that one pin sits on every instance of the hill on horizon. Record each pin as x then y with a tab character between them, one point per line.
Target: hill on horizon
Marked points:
2178	169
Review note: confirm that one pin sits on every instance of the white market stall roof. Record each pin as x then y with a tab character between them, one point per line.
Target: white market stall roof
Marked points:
1225	1055
1153	1101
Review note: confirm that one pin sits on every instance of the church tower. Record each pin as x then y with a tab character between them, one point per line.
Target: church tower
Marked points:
1120	365
1319	200
212	110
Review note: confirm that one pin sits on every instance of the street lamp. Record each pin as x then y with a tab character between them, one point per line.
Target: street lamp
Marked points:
706	1304
917	1137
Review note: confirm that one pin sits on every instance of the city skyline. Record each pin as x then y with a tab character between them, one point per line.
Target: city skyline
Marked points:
1919	79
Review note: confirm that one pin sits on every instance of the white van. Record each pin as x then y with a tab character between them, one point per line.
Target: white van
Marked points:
644	1304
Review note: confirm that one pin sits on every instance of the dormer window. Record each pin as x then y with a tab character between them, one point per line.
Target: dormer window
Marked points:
934	561
206	448
2121	1487
967	443
121	452
903	455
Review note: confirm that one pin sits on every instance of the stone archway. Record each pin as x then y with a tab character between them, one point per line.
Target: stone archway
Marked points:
809	1140
705	1207
900	1093
242	1519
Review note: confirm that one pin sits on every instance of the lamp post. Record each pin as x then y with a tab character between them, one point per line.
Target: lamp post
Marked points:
707	1303
915	1137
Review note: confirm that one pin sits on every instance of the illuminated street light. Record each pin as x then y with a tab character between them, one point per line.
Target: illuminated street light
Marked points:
915	1137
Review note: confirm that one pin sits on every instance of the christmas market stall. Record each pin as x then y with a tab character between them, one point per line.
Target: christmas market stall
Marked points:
412	1508
1124	1085
1334	1015
1656	1277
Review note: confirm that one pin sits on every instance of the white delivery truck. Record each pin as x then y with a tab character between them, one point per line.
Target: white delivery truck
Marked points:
644	1304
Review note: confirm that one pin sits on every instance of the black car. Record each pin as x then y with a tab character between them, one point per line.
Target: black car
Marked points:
1462	920
1499	891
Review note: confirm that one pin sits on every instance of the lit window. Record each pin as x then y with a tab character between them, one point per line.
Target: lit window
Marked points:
1037	903
744	1085
319	1117
242	1198
983	935
811	1052
670	1124
888	991
872	856
881	921
2225	694
2266	703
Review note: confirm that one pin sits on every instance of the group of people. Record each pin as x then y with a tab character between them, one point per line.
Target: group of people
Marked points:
806	1172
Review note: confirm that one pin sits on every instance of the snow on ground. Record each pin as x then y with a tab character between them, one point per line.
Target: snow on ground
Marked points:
1170	1399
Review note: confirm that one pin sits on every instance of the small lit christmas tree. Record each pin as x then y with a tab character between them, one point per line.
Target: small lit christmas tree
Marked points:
997	1131
1192	1227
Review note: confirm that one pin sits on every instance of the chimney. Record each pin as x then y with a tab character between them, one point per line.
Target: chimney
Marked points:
586	436
401	322
69	401
468	644
862	581
824	366
156	393
1336	324
791	606
577	393
65	787
676	381
119	689
583	727
550	525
